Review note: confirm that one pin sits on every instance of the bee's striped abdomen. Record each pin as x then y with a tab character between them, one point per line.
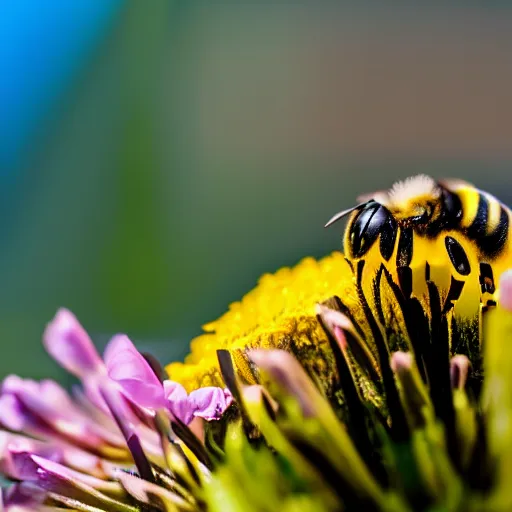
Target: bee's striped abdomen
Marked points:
490	243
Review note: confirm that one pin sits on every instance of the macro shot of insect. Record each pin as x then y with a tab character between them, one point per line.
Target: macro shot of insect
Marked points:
446	231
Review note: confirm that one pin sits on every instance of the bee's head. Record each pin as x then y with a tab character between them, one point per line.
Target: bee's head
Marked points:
415	200
417	203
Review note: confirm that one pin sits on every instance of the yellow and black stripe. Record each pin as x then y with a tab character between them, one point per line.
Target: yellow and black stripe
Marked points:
485	220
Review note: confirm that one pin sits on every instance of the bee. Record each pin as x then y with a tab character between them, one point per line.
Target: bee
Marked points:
424	225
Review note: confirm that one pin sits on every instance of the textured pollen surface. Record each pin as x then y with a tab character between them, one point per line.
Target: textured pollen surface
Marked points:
278	313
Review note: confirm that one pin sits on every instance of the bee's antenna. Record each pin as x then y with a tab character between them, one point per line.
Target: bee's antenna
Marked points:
343	213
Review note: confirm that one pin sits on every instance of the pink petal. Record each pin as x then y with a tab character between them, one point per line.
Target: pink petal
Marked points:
51	450
12	413
42	409
45	399
11	444
59	479
506	290
54	394
22	497
174	391
210	403
177	401
68	343
23	465
127	366
14	384
51	467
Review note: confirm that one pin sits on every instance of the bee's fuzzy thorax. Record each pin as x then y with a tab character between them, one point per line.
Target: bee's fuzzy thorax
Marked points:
420	186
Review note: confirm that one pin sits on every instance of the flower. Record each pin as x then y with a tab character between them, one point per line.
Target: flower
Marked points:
419	431
278	313
339	386
122	368
79	451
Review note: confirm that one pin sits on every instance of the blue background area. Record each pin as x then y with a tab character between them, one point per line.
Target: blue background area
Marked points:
43	45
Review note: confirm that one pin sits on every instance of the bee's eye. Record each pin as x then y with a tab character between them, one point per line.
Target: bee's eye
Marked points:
366	228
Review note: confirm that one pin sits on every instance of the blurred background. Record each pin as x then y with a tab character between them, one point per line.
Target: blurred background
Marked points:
157	157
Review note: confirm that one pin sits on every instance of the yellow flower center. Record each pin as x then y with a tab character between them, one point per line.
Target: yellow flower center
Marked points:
278	313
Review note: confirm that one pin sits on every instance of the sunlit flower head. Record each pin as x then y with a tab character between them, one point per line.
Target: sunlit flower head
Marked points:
278	313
